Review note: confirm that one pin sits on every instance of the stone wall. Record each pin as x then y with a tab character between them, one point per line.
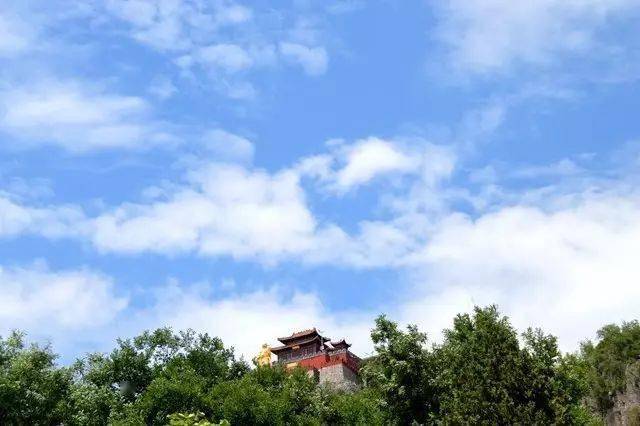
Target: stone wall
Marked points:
339	377
626	408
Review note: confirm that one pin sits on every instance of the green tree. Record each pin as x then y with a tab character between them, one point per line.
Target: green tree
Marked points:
153	375
485	377
480	374
363	407
575	369
402	372
552	388
91	405
268	396
616	349
480	370
32	389
193	419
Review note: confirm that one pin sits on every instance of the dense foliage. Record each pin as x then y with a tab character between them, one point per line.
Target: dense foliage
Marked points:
402	372
486	375
608	361
481	373
32	389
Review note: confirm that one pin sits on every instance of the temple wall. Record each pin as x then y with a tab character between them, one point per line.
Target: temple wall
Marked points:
339	376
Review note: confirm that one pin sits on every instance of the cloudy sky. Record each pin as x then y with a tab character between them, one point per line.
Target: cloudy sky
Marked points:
254	168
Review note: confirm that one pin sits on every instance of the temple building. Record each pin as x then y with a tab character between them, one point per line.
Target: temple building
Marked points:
330	362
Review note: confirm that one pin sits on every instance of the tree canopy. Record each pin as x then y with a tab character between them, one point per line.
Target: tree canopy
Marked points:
482	372
607	361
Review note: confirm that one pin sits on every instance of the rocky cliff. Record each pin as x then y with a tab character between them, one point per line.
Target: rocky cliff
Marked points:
626	408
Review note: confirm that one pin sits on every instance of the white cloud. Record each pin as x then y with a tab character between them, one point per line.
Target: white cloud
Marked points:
370	158
49	221
219	39
176	24
226	66
486	36
226	210
140	13
194	33
376	244
238	89
56	301
232	14
569	270
228	146
77	117
349	166
81	309
314	60
563	258
564	167
248	320
15	35
162	88
226	57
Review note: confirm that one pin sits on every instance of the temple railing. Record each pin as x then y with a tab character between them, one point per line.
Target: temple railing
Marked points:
298	357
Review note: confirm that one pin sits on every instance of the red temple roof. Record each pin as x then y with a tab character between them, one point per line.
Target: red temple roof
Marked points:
312	332
340	343
295	343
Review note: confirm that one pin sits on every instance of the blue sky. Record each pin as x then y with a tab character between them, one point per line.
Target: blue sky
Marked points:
253	168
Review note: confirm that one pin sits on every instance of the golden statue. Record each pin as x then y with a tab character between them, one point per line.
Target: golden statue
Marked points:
264	357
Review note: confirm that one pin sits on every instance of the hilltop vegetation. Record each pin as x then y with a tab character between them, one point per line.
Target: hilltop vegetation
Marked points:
482	373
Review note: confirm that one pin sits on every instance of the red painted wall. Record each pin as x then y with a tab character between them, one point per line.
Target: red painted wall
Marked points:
324	360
